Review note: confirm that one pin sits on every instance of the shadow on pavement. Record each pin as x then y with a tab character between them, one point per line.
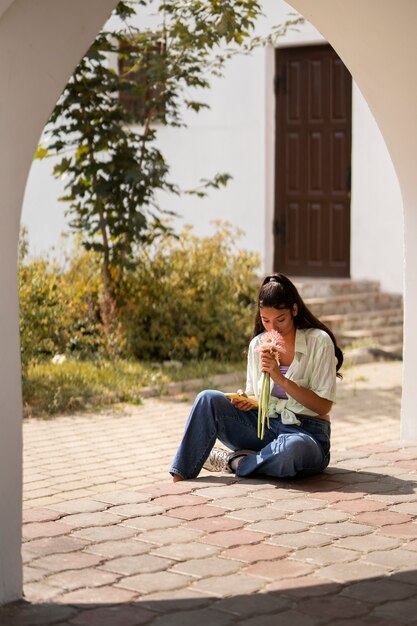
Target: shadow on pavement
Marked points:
381	601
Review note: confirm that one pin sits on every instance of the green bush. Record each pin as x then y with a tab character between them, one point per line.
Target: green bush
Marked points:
191	297
59	310
187	298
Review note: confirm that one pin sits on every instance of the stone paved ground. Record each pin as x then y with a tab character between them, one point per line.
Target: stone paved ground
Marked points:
109	541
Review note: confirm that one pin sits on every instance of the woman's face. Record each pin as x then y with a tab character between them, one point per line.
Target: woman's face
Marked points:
281	320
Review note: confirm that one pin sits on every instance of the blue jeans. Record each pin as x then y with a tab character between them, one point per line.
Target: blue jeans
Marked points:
285	450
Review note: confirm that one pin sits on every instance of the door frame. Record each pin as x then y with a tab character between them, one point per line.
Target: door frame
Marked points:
270	150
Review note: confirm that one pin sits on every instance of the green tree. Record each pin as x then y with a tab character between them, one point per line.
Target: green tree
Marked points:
105	124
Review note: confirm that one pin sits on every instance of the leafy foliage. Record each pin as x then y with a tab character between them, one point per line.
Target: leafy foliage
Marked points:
114	168
188	297
191	297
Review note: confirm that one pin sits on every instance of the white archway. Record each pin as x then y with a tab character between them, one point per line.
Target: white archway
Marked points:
40	44
377	43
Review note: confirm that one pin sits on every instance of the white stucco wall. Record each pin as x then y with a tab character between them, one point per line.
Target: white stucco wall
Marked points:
377	222
237	136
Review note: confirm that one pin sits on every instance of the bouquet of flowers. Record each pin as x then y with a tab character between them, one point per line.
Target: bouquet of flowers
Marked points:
273	343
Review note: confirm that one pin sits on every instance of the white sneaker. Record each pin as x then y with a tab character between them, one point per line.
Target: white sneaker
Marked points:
218	461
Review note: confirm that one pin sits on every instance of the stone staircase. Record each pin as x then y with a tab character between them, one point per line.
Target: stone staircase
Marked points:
357	311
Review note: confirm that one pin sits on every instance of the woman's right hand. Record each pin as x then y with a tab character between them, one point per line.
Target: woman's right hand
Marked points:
241	403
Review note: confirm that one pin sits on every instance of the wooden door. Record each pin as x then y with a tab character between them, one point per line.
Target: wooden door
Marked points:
313	157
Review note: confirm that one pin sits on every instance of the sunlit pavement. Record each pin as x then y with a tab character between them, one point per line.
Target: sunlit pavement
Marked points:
110	541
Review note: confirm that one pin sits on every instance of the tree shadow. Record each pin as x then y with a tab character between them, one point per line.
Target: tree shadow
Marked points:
378	601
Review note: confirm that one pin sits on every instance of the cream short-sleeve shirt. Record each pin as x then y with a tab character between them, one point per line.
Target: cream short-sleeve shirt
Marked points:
313	367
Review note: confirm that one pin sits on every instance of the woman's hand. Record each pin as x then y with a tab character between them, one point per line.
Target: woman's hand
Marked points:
269	364
241	403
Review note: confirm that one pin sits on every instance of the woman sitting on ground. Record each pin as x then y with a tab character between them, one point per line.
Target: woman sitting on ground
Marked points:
303	389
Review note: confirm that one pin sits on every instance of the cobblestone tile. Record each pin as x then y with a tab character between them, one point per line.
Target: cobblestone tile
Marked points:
325	555
197	511
214	524
337	607
151	522
358	506
232	585
203	617
254	553
28	614
382	518
276	494
40	592
286	618
304	586
279	526
409	508
407	530
252	604
404	611
283	568
77	579
117	615
373	591
33	574
300	540
124	497
346	572
238	502
338	496
368	543
157	491
53	545
163	536
320	516
66	561
169	601
230	538
345	529
173	501
258	514
80	505
149	583
394	559
209	566
40	515
225	491
36	530
296	505
136	509
128	565
122	547
185	551
105	533
96	595
87	520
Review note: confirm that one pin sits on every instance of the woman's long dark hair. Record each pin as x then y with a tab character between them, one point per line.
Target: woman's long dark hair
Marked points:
278	292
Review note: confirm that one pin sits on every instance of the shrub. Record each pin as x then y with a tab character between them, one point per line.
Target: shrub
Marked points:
59	310
191	297
187	298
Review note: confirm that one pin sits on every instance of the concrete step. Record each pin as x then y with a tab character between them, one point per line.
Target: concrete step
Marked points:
372	319
385	337
328	287
353	303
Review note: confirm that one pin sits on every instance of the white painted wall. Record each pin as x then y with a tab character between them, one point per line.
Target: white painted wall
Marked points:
377	222
237	136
